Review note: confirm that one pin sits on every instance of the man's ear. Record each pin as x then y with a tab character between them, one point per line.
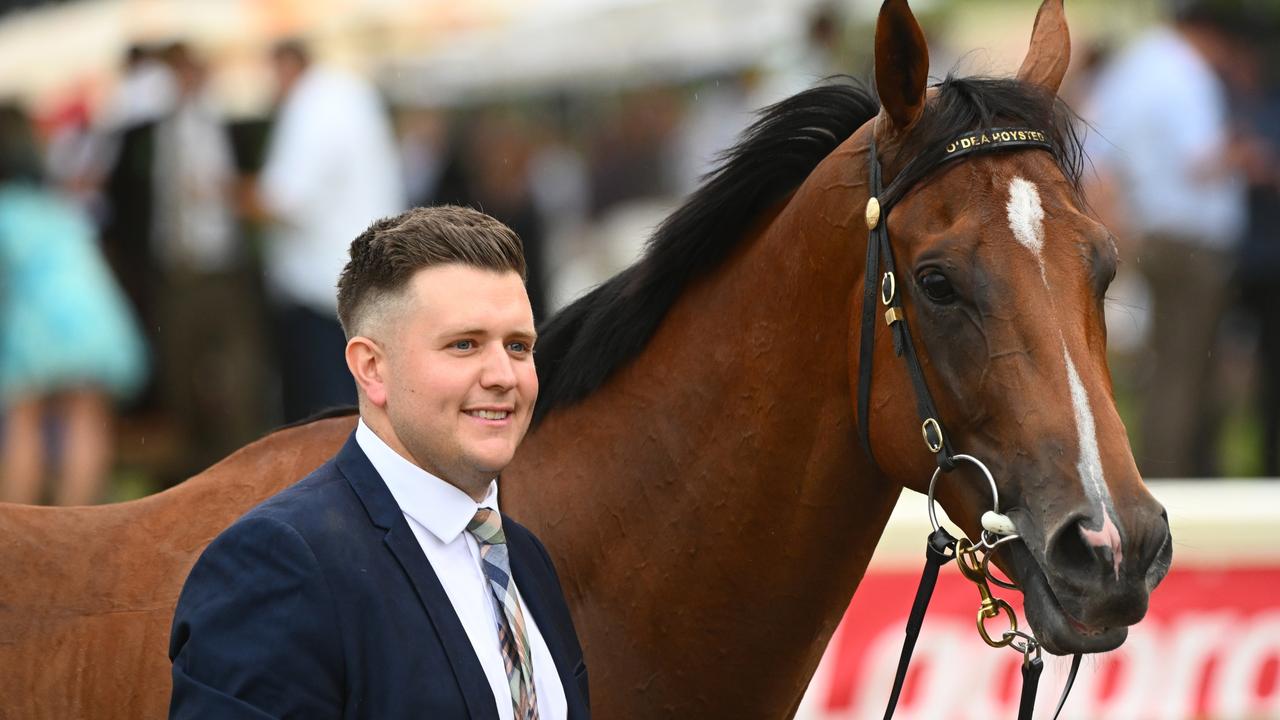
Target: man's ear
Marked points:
367	362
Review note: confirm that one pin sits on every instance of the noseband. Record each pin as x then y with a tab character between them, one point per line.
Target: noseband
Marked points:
974	559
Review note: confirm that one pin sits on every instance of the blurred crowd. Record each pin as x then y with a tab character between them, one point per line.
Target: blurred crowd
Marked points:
1184	147
168	271
183	262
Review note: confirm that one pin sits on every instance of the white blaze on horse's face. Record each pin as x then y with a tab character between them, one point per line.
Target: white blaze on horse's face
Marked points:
1090	468
1026	220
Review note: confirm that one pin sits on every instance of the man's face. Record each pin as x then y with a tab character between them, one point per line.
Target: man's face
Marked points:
460	380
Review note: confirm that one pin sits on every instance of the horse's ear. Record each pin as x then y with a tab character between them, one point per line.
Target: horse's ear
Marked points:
1046	61
902	63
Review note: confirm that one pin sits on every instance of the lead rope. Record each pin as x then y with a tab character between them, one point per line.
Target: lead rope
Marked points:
1031	670
940	550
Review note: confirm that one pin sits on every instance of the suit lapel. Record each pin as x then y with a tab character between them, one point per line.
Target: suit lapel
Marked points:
400	540
537	589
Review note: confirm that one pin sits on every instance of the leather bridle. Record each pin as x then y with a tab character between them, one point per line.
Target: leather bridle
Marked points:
942	547
879	249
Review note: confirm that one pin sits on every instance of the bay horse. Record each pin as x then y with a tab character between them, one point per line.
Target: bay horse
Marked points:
695	469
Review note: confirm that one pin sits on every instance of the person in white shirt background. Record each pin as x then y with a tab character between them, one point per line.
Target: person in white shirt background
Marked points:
331	165
209	335
1169	189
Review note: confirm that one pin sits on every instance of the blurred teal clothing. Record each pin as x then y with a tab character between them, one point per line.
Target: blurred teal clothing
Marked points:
64	322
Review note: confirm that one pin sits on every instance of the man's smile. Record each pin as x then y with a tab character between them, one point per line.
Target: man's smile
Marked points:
491	414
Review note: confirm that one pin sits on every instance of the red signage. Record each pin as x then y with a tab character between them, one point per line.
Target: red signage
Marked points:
1208	648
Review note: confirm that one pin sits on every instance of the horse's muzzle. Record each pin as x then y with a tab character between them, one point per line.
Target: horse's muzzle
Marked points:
1084	587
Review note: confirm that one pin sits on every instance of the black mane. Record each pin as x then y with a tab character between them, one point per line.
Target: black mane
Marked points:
585	343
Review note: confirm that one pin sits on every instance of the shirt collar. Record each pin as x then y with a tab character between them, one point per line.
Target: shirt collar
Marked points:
441	508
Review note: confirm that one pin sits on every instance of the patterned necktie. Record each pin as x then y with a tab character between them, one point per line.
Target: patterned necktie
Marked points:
486	526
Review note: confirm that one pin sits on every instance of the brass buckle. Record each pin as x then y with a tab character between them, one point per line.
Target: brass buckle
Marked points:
990	606
932	440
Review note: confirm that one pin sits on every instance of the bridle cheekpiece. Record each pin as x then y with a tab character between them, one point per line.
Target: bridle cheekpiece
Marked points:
879	249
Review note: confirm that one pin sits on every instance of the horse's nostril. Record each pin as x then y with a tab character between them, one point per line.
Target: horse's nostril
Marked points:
1086	550
1068	550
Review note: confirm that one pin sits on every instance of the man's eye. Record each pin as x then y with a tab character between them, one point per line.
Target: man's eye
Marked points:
518	347
463	345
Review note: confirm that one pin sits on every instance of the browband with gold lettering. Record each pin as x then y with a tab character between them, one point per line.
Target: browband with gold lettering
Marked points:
995	139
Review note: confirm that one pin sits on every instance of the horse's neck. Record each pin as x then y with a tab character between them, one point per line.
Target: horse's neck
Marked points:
708	507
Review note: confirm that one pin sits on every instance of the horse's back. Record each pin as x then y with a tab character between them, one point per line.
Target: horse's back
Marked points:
88	593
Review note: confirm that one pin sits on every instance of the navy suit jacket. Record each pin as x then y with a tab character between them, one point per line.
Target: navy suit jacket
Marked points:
319	603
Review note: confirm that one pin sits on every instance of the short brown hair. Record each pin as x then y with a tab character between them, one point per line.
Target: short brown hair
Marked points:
393	249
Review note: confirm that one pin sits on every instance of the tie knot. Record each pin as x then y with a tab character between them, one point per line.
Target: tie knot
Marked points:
487	527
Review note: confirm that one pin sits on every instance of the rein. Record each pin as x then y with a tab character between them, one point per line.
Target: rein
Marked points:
974	559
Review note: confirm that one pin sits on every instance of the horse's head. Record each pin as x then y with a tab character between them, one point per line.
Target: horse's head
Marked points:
1002	275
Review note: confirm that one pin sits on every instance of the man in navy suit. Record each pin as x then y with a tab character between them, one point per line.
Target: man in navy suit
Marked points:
386	584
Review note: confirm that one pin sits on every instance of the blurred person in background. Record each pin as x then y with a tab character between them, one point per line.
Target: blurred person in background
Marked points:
206	311
122	164
68	341
146	91
628	158
424	144
560	187
1165	182
481	160
69	146
497	158
331	169
1258	268
717	112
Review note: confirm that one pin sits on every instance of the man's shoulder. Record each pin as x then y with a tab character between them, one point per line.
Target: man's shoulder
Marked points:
304	505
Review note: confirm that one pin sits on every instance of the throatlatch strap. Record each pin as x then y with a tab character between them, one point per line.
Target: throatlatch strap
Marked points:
939	551
866	346
905	347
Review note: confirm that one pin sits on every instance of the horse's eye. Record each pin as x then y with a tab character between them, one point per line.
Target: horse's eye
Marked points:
937	287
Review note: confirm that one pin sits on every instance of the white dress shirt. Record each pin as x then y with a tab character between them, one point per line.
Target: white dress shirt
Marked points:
438	514
332	169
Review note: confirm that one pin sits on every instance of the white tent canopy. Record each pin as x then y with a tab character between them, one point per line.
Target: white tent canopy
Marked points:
577	45
428	51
